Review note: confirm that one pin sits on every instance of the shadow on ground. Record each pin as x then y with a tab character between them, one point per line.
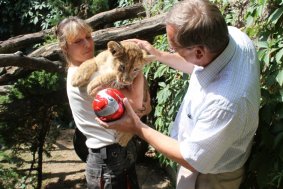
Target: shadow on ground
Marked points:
64	169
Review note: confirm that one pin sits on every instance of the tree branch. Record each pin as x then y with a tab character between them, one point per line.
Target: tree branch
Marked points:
23	42
34	63
99	20
145	29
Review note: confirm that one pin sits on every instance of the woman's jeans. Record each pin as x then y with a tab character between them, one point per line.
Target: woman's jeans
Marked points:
112	167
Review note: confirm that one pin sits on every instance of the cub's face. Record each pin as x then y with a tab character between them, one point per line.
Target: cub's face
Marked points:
128	61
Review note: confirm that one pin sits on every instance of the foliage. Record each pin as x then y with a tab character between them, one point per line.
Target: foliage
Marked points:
264	24
41	13
165	83
262	21
34	112
168	87
25	16
10	177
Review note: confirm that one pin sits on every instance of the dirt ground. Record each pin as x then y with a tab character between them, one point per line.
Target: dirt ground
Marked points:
64	169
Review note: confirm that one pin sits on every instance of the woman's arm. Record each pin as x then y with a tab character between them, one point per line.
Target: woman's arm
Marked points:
138	95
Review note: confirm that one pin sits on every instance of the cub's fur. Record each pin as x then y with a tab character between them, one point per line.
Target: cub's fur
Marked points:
115	67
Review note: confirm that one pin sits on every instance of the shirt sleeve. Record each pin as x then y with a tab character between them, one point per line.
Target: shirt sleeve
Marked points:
214	132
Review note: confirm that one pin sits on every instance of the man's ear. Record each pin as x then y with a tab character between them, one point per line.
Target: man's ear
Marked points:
199	52
116	49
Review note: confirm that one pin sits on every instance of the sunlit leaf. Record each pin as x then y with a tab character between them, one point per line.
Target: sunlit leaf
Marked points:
279	55
250	21
160	71
35	20
276	15
279	77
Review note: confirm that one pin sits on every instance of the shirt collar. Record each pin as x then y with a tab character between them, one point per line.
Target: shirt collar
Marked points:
205	75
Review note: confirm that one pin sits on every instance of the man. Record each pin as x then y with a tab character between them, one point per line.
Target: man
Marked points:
214	128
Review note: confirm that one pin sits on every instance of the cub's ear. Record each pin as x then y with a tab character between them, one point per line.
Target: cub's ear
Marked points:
148	58
116	49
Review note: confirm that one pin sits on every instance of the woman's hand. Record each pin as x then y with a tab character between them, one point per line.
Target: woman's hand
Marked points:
137	96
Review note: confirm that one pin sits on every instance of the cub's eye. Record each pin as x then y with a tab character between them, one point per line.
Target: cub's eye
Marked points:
136	69
121	68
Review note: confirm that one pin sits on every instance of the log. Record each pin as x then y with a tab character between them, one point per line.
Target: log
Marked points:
20	42
145	29
23	42
108	17
4	89
33	63
12	74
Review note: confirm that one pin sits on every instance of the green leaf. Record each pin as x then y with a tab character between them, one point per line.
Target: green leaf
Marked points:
160	71
279	55
162	84
163	95
266	59
30	13
279	78
262	44
275	16
35	20
250	20
281	93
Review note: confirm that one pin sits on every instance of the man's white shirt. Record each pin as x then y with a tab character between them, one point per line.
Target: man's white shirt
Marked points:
218	117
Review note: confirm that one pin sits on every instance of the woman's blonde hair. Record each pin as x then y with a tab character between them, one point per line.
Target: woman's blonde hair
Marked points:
68	29
198	22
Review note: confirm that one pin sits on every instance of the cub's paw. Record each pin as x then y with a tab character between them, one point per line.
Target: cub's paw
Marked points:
93	91
80	79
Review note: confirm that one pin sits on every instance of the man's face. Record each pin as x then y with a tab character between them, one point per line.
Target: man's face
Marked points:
197	54
185	52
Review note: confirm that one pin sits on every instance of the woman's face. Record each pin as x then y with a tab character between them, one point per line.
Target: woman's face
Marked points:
80	49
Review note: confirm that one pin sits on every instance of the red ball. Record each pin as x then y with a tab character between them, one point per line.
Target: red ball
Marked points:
108	104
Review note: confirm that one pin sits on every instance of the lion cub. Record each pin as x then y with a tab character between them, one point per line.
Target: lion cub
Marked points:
115	67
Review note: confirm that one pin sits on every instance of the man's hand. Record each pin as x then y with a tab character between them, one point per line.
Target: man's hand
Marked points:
146	46
129	122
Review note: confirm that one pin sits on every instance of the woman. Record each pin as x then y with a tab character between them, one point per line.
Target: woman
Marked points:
108	164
